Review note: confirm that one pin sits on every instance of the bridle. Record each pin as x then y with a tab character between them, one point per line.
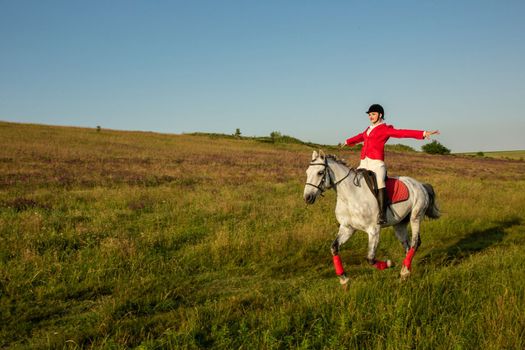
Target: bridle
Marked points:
324	180
327	181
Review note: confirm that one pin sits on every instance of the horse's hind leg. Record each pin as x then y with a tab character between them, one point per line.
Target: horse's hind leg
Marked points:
345	232
415	223
402	235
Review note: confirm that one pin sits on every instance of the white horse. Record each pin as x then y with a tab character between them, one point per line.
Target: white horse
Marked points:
357	209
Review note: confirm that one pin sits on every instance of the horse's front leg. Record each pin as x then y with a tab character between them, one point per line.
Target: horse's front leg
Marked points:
373	241
345	232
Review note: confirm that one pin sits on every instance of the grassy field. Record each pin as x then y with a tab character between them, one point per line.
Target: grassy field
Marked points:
141	240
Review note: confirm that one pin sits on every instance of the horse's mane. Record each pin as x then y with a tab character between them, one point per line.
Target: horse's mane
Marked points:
337	160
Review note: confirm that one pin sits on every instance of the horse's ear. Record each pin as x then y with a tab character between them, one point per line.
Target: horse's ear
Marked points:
315	155
321	154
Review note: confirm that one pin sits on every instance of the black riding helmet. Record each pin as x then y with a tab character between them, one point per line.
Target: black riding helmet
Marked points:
376	108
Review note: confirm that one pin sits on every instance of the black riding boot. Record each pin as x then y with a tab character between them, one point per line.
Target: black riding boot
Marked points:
382	201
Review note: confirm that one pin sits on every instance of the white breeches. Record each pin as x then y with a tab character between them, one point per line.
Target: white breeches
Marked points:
378	167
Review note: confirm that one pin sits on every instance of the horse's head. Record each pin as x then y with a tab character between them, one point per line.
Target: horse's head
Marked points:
317	177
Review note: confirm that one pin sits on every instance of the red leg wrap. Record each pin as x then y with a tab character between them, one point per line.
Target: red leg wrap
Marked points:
338	265
408	259
381	265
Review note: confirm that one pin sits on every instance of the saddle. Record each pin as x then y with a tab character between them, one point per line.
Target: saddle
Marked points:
396	190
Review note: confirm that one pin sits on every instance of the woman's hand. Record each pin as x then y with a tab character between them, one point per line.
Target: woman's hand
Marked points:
427	134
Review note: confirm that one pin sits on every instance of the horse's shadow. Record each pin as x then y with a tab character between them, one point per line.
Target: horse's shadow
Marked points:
474	242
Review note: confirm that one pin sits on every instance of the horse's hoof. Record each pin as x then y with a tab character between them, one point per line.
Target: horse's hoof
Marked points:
343	280
405	272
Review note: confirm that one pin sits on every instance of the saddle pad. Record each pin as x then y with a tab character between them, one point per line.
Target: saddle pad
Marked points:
396	190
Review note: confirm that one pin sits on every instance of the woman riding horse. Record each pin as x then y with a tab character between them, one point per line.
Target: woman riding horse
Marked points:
373	151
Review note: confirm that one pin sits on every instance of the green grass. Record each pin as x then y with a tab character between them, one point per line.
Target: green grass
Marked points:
141	240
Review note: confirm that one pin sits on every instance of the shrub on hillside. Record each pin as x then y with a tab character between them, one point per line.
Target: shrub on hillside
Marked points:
435	147
275	135
399	148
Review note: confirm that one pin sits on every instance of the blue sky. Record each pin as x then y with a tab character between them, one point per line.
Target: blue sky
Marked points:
308	69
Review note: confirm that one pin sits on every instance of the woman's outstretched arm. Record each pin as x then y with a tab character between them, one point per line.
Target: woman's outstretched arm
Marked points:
355	140
414	134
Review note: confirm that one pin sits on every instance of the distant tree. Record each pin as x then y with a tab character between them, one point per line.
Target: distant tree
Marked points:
98	128
435	147
237	133
480	154
275	135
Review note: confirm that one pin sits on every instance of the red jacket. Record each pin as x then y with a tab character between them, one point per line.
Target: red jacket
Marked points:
374	144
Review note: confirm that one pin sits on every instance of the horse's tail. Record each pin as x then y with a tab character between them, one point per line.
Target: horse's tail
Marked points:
432	209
